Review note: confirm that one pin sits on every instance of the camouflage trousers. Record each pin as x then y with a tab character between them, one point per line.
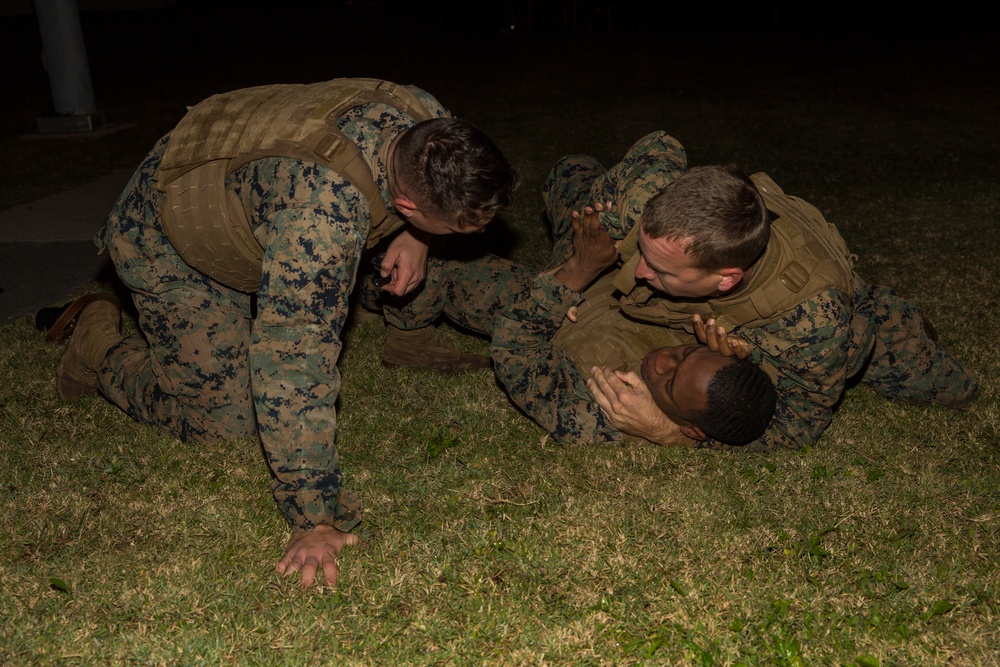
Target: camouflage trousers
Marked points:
567	188
469	291
184	316
207	367
905	362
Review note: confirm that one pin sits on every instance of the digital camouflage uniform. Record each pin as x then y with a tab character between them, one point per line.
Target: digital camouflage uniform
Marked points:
544	360
205	369
541	359
652	163
811	350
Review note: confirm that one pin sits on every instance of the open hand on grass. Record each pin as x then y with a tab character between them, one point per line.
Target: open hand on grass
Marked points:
313	550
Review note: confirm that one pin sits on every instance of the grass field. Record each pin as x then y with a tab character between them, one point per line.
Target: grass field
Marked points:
485	543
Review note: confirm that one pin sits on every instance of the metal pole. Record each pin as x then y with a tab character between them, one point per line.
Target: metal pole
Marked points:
65	59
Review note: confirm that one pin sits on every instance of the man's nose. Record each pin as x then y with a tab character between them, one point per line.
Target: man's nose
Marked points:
666	360
643	271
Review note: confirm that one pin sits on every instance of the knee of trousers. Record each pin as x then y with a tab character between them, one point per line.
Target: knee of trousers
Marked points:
202	409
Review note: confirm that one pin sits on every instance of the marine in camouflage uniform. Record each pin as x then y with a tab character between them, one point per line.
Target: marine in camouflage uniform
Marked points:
810	349
204	365
576	181
542	360
216	362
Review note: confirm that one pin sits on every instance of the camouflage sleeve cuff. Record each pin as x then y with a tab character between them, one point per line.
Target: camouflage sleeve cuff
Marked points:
552	298
534	316
652	163
306	509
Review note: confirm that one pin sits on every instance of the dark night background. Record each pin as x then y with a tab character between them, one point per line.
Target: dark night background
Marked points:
882	115
147	64
207	46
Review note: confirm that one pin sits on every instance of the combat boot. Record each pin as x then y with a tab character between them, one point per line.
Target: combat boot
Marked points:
424	348
97	329
358	316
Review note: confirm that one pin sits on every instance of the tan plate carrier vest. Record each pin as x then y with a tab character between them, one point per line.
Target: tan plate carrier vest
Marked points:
805	257
205	223
602	336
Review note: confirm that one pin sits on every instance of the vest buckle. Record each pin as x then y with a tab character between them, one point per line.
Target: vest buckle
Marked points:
794	277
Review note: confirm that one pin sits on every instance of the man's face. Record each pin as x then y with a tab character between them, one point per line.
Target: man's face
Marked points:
678	379
433	225
407	207
667	267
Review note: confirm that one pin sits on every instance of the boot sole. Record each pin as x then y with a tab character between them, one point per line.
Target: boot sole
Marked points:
69	389
62	328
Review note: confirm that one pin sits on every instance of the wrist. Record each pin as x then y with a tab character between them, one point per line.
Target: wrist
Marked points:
574	276
672	437
668	433
419	234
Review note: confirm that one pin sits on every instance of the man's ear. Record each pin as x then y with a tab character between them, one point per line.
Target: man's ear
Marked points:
730	279
693	432
404	206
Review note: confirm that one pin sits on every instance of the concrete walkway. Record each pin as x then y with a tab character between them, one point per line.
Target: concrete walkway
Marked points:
47	246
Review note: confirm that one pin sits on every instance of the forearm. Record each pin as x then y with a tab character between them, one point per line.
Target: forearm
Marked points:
806	354
295	386
804	409
295	347
576	276
538	376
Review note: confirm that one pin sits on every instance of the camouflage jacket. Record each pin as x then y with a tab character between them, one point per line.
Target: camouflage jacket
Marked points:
543	360
312	242
539	376
810	352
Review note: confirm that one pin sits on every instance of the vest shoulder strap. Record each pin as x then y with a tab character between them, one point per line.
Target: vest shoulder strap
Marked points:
229	130
805	256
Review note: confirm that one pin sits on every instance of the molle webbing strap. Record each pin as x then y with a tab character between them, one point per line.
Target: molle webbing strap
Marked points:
207	226
211	240
628	249
817	245
602	336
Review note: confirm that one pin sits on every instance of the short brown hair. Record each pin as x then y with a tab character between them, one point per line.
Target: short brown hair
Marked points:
455	171
718	210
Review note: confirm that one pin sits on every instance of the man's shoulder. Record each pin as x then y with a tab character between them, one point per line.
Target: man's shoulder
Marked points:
822	319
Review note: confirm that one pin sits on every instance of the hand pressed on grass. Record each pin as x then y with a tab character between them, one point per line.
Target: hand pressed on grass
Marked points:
313	550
